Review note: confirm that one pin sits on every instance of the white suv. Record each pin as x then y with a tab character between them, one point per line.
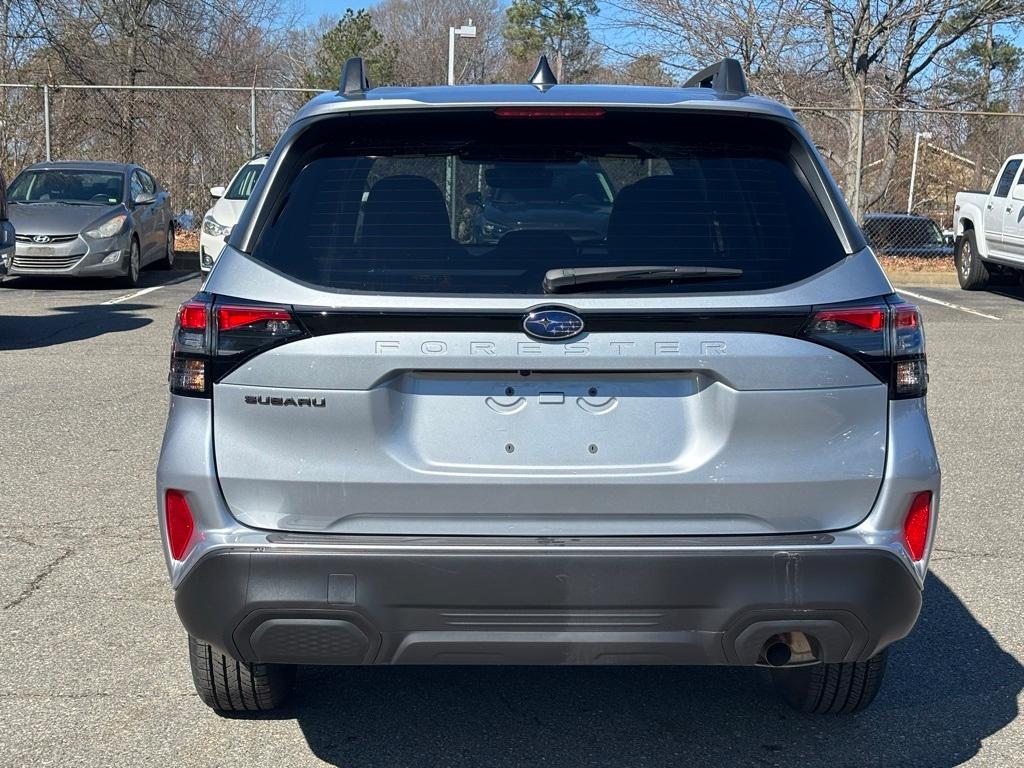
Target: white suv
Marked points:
222	217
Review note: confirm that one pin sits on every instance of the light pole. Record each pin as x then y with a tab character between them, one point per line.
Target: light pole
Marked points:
466	30
913	168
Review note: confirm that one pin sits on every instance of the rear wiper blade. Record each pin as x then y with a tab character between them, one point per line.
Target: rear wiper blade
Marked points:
572	278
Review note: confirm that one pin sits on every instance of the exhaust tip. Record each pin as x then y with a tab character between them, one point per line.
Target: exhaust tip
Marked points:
777	654
789	649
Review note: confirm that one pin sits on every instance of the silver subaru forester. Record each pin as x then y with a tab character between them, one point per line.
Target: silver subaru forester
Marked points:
547	374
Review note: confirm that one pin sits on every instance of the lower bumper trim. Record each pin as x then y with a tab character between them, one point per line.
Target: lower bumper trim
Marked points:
554	607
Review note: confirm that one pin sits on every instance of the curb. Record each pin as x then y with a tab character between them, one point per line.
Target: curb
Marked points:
945	279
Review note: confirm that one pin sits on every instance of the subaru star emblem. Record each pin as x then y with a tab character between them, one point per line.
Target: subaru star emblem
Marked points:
552	324
41	239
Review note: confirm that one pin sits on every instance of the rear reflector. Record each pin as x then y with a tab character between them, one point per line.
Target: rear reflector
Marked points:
553	113
180	525
915	528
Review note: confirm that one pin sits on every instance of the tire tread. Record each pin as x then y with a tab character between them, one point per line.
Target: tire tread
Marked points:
842	688
227	685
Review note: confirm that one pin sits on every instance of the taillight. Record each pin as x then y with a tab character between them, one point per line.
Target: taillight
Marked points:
245	328
211	338
851	319
909	363
190	348
886	336
916	525
180	525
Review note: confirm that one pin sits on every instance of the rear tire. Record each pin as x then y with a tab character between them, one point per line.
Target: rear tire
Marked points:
227	685
831	688
970	269
167	262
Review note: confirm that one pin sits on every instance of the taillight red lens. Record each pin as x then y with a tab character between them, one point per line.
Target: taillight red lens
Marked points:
859	318
245	329
180	525
550	112
192	316
906	316
229	317
916	525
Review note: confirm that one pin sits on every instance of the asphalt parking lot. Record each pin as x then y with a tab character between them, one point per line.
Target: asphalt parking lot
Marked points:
94	668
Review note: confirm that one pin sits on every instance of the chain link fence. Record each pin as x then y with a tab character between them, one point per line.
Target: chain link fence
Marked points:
888	162
900	169
190	138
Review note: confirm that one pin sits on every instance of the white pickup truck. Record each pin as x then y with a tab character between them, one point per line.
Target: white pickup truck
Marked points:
989	227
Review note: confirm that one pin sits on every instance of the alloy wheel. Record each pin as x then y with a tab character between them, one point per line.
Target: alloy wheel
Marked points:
966	257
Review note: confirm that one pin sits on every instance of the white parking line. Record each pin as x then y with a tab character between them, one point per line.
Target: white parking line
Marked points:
152	288
968	310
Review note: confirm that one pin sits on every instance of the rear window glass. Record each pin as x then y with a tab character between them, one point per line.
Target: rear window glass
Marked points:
471	202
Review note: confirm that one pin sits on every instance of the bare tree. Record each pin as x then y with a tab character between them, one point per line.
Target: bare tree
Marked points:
769	37
419	29
21	130
185	140
848	54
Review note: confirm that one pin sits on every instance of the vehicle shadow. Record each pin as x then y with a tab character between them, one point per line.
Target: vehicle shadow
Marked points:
950	685
66	324
1011	290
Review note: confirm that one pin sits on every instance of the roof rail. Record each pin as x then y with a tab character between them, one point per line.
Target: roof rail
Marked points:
726	78
354	84
542	77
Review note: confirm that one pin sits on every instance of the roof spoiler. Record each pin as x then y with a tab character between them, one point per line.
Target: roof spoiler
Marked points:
354	83
726	78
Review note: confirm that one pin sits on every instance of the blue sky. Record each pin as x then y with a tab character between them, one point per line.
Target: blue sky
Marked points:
317	8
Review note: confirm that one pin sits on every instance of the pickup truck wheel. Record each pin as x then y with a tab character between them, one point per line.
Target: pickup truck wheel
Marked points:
227	685
970	269
831	688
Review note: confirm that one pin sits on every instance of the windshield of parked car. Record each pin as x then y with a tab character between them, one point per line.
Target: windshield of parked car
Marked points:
79	187
243	183
476	202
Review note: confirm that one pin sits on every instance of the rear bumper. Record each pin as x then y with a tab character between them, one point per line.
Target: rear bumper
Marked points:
495	601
